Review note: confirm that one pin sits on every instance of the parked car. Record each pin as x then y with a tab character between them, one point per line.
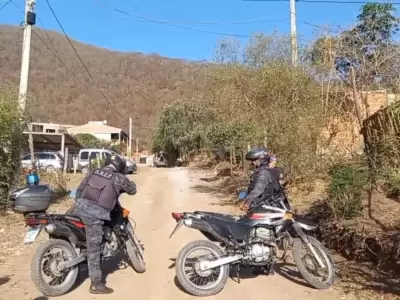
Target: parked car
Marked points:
47	161
160	161
86	155
131	166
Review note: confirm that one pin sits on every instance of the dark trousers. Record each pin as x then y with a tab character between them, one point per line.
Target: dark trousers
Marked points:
94	237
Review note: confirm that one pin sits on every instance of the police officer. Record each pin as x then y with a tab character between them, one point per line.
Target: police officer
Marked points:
263	183
263	188
96	196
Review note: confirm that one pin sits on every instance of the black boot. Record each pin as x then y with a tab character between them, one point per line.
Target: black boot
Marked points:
100	288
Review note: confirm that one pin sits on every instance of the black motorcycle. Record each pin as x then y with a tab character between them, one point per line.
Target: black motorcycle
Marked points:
253	240
55	264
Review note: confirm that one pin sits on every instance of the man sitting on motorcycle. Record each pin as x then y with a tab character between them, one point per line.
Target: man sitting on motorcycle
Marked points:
264	187
96	196
264	184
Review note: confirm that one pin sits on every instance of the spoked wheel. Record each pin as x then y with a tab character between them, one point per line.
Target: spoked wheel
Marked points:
135	251
45	274
192	279
319	278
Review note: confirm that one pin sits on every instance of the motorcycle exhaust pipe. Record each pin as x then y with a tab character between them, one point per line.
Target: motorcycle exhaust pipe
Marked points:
206	264
71	263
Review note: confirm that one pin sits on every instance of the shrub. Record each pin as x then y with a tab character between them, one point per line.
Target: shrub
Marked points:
345	191
10	141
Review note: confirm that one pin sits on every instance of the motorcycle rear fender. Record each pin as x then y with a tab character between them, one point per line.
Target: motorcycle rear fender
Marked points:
67	232
206	230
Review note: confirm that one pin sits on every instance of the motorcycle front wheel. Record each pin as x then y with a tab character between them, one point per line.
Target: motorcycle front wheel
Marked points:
309	267
134	251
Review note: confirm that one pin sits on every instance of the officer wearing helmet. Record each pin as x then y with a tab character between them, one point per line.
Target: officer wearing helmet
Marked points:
264	187
263	184
96	196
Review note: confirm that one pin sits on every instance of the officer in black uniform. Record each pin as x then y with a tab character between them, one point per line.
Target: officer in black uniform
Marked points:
264	188
264	184
96	196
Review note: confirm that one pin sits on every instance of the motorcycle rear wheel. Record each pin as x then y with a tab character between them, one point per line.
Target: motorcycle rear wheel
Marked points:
37	268
182	262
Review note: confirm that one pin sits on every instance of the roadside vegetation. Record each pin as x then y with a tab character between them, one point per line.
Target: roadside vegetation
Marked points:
253	96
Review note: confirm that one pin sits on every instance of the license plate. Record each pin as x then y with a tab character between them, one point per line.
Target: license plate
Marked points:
31	235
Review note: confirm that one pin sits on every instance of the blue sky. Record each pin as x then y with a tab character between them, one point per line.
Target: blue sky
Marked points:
96	22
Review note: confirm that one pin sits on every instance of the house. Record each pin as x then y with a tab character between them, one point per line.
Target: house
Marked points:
97	128
100	130
50	127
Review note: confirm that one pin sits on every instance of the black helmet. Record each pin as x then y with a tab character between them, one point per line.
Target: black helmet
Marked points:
259	153
117	161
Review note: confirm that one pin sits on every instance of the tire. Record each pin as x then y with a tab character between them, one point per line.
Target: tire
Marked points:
36	269
311	279
135	252
84	170
50	169
187	285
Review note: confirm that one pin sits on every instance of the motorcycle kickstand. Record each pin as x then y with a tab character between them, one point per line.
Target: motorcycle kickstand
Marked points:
238	273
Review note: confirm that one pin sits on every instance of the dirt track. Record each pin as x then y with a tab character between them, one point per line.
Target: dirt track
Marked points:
161	191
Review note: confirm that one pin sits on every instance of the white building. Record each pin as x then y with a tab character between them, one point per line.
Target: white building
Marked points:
100	130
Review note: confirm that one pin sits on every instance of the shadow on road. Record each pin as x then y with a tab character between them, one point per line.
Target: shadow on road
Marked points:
41	298
286	270
116	263
4	279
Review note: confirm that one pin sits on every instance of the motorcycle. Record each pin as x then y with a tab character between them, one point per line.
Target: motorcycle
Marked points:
58	259
252	240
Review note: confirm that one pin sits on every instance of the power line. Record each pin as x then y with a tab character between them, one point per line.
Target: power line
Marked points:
55	53
203	23
347	2
5	4
53	49
183	27
189	28
327	1
80	59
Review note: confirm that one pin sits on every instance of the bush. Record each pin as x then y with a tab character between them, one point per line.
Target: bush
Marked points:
10	141
259	99
345	191
389	181
58	182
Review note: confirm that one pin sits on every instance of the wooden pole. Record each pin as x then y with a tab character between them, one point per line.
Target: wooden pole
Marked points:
65	160
356	97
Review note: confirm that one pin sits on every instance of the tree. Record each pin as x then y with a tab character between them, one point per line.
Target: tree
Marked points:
11	138
370	48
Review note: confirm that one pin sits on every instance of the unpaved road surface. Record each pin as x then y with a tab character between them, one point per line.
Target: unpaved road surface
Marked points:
161	191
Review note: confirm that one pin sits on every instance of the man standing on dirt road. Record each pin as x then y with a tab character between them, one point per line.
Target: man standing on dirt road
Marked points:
96	196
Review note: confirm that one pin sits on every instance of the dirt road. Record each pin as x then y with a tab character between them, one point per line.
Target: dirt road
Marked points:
161	191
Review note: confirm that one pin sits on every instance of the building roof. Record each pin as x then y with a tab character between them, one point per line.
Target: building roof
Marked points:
52	141
93	128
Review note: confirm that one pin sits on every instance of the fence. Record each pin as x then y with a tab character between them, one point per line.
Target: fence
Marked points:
382	134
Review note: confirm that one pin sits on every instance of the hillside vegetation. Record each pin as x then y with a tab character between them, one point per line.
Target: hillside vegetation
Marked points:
254	96
136	84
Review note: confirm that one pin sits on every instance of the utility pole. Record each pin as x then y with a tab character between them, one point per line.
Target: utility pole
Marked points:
293	32
30	20
137	148
130	138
